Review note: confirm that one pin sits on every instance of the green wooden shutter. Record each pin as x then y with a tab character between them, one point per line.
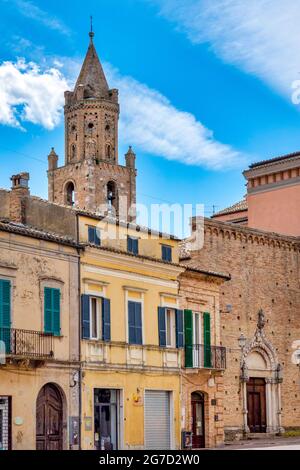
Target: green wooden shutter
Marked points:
5	313
52	311
207	340
188	333
56	311
47	310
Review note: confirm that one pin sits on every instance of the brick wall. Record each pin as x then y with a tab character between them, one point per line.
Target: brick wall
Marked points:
265	274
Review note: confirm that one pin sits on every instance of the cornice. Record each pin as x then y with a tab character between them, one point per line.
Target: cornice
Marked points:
226	230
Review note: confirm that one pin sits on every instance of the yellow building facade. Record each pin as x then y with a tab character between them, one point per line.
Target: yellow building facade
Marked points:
128	379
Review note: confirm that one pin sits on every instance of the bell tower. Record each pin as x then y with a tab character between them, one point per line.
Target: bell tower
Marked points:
92	178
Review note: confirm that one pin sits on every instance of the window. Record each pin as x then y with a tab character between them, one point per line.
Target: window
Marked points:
95	318
70	194
52	311
133	245
135	323
167	253
170	328
94	236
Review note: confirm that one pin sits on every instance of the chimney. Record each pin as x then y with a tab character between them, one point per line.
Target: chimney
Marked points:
18	196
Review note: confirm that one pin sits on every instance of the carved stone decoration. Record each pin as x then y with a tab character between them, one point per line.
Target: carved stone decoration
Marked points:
261	320
260	344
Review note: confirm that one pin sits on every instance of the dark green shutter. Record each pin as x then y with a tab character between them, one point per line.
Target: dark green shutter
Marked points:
179	329
162	327
5	313
56	311
47	310
106	329
85	316
188	333
52	311
207	340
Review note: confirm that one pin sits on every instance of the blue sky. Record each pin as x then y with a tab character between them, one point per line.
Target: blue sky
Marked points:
205	89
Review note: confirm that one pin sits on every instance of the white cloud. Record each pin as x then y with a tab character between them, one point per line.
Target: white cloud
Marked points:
262	37
148	120
28	9
30	94
152	124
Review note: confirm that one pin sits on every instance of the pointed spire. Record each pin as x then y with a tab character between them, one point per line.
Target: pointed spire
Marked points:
92	77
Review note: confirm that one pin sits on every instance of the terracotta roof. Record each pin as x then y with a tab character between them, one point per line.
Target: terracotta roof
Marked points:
25	230
238	207
195	269
275	160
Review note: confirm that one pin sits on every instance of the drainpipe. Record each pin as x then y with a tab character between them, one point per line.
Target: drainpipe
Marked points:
79	330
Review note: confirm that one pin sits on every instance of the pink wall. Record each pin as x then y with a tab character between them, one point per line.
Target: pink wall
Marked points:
276	211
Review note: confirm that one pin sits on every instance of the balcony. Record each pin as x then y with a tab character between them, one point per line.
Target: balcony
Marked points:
198	356
26	344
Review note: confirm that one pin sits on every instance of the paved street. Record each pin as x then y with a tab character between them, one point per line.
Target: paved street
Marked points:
266	444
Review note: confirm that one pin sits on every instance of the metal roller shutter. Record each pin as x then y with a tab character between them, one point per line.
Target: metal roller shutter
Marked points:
157	420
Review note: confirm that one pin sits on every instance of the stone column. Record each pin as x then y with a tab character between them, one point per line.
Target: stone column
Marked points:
245	407
269	403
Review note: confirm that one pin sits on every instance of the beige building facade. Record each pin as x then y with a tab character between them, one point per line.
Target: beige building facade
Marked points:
39	338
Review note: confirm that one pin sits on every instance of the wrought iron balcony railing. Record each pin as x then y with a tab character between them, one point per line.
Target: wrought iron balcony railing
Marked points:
25	343
199	356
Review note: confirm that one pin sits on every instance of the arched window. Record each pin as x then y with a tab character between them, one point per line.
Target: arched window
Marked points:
70	194
112	197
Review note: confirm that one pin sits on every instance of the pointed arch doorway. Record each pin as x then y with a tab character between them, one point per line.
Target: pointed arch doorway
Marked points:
49	419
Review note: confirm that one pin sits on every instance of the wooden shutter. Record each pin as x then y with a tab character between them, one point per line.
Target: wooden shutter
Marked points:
56	311
106	328
138	323
85	316
188	333
131	323
207	340
5	313
162	333
129	244
52	311
179	329
47	310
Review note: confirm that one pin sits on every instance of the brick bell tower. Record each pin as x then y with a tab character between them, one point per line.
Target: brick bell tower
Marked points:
92	178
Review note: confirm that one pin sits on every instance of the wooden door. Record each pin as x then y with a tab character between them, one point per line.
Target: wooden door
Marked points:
256	401
49	419
198	423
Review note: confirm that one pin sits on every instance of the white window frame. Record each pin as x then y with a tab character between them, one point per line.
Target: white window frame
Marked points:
171	333
198	358
98	317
